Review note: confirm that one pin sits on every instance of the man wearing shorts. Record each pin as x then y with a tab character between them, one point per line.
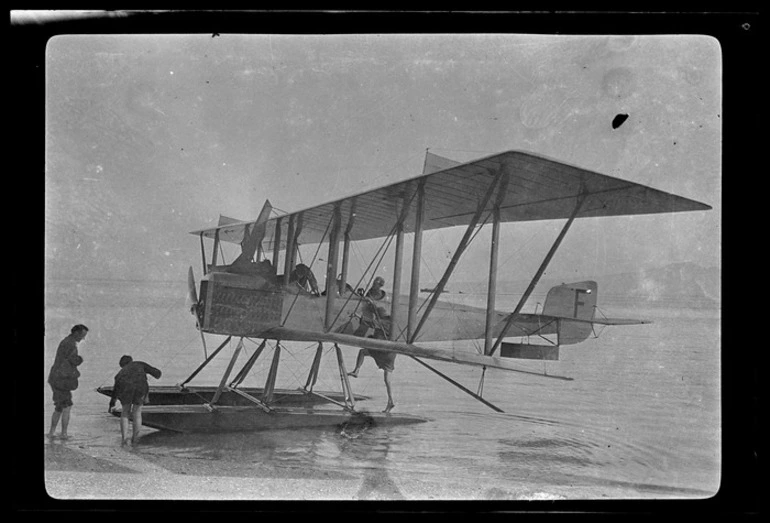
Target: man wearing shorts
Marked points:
132	389
63	378
376	317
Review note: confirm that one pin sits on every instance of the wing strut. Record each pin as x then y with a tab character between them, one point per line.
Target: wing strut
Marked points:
276	245
453	382
290	239
331	267
414	284
457	254
398	261
203	254
215	250
493	255
346	247
581	198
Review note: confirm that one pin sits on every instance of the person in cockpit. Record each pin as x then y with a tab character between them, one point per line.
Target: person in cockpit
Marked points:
305	278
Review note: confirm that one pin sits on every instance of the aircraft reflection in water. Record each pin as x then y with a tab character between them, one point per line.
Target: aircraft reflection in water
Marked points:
264	294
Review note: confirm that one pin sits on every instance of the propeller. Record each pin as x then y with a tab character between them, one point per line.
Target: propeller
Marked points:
192	295
192	306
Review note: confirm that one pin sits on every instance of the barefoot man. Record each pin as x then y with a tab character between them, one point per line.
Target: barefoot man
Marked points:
384	360
376	318
63	378
132	389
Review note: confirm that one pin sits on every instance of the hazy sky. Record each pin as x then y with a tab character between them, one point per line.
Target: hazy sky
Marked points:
149	137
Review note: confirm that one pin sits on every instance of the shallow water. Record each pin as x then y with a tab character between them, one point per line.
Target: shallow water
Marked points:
641	413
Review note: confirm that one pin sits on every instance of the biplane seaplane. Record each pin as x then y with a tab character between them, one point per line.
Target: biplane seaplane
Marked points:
264	294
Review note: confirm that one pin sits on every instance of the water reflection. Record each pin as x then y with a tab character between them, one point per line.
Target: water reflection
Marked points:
354	452
369	448
552	453
268	454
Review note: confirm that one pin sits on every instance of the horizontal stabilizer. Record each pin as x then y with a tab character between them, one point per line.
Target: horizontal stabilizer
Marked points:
524	351
619	321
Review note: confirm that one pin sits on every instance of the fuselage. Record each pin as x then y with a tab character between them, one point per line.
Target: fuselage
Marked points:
253	305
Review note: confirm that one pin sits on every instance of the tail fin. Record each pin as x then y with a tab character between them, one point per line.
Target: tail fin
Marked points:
572	301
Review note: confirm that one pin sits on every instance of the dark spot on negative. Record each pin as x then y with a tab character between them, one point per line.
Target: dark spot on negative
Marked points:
618	120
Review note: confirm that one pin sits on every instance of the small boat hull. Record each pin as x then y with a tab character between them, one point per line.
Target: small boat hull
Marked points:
201	418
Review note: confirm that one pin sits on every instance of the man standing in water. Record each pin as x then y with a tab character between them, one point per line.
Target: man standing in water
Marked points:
132	389
376	317
63	378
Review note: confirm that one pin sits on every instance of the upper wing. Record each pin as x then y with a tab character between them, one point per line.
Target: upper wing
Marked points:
538	189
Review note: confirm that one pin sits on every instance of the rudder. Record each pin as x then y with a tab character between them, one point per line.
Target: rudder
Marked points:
572	301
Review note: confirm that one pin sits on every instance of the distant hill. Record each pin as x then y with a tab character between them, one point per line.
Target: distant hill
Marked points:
683	283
